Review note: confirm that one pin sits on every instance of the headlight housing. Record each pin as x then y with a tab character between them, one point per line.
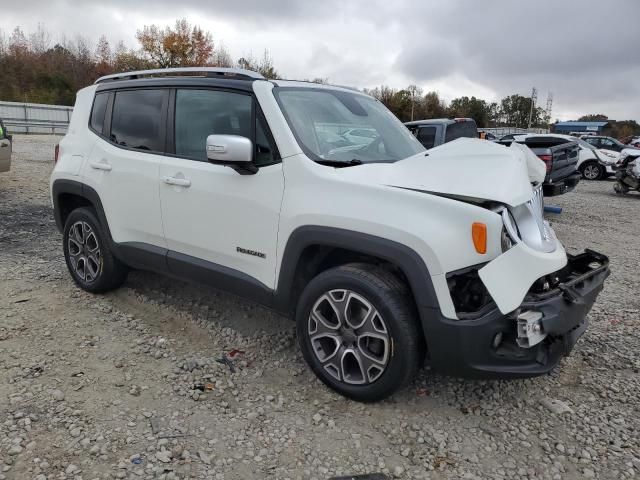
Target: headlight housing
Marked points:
510	234
505	240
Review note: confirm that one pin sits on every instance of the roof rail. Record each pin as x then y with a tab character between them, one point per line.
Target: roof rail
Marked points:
212	72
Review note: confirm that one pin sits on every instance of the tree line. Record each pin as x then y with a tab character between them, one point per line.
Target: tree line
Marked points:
412	103
35	69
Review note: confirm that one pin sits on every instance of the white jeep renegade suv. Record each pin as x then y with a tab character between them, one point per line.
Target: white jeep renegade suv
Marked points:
381	252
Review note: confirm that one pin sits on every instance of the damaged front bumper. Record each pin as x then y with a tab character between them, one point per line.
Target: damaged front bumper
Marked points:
528	341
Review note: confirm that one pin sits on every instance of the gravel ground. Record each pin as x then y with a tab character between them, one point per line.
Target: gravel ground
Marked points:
103	386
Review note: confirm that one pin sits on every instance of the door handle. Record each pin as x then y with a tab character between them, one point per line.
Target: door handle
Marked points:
179	182
101	166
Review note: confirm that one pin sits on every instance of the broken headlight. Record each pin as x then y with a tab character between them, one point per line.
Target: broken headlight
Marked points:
505	240
509	234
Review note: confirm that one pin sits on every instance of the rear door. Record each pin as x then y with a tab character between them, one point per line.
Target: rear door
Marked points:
216	220
124	164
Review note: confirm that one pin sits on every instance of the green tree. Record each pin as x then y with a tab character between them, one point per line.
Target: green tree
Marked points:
593	117
433	106
264	66
472	108
515	109
181	46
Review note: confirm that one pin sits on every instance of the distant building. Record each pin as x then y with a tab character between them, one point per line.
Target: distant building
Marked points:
596	128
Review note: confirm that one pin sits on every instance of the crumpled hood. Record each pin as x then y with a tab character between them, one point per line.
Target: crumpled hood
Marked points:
467	167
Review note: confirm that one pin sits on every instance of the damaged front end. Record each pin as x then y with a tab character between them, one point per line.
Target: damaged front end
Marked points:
531	339
519	313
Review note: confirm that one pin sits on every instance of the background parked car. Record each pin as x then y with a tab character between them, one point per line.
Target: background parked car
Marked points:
634	142
484	135
437	131
5	148
560	157
592	163
605	143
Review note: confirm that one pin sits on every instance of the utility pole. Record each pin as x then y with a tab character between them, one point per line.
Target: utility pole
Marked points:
549	107
534	98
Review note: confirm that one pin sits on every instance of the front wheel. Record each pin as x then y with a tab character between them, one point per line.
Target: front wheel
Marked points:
592	171
358	331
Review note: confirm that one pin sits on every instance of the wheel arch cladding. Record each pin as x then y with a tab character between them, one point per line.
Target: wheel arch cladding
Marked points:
404	258
70	194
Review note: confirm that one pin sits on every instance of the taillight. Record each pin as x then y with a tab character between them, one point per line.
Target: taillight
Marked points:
56	153
548	160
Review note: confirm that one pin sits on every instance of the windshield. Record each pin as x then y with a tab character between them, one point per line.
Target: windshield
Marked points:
345	127
584	144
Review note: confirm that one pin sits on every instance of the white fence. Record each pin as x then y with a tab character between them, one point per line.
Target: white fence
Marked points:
500	131
35	118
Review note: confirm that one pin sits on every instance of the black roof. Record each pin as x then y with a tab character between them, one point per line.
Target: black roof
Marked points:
178	81
438	121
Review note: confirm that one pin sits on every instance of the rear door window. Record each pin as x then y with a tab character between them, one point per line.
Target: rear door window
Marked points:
138	119
461	129
427	136
98	111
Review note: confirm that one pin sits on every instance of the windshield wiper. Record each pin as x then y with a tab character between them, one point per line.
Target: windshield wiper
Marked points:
340	163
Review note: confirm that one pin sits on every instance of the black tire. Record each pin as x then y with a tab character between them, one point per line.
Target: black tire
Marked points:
397	317
590	166
102	272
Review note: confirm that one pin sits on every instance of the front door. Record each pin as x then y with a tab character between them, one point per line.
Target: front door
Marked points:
213	217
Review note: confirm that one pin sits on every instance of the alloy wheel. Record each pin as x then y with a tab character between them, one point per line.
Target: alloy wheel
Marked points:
591	172
84	252
349	337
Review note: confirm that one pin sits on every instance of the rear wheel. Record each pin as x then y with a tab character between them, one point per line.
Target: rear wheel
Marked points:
358	331
89	258
592	170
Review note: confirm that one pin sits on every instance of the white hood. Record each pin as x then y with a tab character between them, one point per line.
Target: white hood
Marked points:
466	167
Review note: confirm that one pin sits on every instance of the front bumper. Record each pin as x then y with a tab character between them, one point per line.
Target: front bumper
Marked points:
565	185
468	348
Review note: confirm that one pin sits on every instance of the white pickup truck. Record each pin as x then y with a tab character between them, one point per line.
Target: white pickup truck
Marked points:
382	253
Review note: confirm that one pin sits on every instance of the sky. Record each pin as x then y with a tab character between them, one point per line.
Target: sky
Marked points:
585	52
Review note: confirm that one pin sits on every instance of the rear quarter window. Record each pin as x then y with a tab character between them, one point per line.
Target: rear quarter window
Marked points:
98	112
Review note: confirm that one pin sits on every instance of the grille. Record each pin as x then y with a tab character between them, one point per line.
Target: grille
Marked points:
537	205
531	227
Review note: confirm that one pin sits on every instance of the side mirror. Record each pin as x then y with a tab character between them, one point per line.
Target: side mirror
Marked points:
232	150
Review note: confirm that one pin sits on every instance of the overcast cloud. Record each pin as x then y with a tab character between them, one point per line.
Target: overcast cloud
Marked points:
586	52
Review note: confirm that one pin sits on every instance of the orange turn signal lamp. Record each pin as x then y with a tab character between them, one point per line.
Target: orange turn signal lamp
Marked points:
479	235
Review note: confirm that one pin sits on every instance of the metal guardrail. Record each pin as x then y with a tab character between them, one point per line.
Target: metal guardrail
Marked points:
500	131
33	118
